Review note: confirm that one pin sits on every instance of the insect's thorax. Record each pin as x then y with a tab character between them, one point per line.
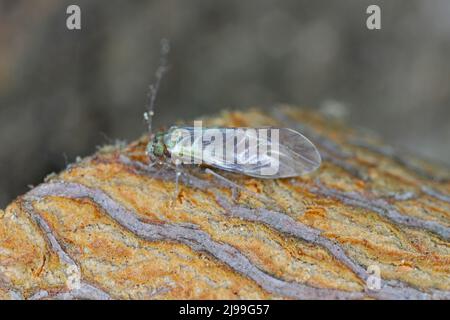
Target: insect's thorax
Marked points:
157	148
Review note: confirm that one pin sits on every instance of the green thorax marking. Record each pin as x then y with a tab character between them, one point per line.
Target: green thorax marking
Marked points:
157	147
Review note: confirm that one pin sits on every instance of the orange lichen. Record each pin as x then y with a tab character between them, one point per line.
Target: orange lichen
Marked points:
270	224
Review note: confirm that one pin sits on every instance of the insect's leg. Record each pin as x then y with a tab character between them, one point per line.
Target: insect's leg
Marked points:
177	178
236	187
233	194
158	167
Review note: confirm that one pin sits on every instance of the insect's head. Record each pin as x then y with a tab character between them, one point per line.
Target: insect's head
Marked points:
156	148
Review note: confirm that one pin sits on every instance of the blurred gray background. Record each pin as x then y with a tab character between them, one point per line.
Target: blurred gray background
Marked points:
64	92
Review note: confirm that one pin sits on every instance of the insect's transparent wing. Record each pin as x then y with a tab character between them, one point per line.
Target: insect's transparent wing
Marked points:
291	154
258	152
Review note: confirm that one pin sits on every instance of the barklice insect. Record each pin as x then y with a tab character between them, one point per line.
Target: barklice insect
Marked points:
257	152
268	153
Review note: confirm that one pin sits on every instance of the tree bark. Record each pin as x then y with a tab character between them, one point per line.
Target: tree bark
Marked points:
111	227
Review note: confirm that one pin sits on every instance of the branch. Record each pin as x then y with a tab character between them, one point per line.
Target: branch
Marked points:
111	223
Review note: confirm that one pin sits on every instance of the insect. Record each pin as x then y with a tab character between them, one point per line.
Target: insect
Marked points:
256	152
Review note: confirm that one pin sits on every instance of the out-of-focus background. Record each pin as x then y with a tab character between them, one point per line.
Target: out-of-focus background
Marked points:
64	92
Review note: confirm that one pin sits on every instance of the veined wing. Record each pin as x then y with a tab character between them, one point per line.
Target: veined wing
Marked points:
258	152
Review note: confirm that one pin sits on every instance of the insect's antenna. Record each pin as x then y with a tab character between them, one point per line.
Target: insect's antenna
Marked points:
153	88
